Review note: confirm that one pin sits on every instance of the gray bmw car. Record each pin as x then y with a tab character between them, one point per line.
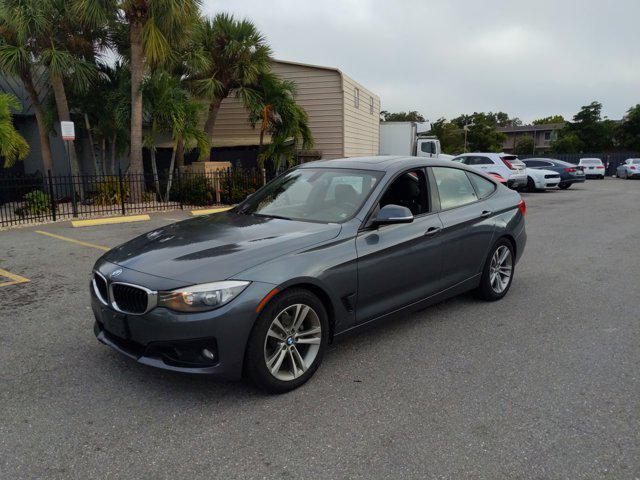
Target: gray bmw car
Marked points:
325	248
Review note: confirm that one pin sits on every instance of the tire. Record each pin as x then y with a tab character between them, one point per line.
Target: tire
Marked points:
486	289
531	185
263	347
564	186
601	177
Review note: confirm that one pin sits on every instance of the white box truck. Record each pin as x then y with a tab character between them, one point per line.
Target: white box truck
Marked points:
409	139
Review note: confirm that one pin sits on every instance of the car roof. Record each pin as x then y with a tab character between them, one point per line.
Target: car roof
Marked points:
554	160
383	163
590	158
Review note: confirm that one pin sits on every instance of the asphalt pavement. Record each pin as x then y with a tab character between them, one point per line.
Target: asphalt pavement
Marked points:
544	384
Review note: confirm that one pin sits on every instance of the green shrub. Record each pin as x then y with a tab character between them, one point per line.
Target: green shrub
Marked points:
36	203
193	190
239	185
108	192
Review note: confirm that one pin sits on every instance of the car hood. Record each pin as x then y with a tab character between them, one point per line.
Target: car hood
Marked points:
217	247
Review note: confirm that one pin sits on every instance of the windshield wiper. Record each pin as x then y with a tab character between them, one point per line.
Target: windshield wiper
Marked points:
271	216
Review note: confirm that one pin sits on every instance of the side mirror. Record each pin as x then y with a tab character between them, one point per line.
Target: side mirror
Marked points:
392	214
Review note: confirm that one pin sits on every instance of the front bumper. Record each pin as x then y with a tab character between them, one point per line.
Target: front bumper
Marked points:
173	341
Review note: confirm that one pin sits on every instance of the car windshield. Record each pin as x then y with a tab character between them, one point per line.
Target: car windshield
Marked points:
314	194
590	161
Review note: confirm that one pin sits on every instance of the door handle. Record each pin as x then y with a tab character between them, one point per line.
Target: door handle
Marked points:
432	231
486	213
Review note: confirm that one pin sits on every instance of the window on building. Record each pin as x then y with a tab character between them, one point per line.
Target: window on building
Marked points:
356	97
371	110
547	136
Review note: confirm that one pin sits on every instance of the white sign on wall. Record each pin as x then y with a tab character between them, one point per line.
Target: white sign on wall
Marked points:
68	130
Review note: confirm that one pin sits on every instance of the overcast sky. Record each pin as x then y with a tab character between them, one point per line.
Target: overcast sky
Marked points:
446	57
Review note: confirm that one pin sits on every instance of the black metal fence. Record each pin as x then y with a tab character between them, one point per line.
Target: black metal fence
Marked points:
35	198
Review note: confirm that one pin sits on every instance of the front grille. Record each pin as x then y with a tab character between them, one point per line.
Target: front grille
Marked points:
129	299
101	286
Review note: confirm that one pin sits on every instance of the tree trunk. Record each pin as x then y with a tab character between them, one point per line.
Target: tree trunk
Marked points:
214	108
103	156
137	66
45	146
180	153
93	150
171	165
113	155
156	180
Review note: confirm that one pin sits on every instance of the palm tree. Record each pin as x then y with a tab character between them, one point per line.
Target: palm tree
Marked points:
279	115
107	127
238	54
170	109
13	146
18	25
155	27
66	48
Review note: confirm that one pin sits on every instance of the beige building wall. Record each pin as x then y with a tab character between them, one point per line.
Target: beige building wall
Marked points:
361	119
339	128
319	92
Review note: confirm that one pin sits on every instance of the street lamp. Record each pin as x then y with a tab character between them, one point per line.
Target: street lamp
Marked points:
466	129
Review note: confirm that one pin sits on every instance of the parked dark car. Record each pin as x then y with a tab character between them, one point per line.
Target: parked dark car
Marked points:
569	173
321	250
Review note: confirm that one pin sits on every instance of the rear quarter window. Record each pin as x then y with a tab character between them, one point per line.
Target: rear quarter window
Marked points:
483	187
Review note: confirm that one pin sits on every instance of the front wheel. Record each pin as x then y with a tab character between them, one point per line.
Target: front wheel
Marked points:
531	185
497	273
564	186
287	342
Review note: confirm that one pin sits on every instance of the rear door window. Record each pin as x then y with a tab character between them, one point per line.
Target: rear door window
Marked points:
454	187
483	187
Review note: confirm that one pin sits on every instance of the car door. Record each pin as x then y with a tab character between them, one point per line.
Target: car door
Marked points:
399	264
467	221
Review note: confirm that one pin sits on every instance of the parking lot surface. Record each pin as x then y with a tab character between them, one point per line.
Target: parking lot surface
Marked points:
543	384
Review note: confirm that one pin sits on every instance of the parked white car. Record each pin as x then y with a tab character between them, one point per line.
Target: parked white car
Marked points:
592	167
540	179
629	169
509	167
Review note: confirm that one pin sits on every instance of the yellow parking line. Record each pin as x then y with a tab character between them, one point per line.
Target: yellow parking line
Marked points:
73	240
109	220
211	210
15	279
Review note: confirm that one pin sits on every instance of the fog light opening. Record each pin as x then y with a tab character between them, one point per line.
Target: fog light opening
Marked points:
208	354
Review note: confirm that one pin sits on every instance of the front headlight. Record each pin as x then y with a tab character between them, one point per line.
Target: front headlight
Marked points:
199	298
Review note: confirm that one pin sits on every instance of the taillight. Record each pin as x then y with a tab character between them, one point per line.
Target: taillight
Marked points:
570	170
497	177
507	163
632	167
522	207
600	166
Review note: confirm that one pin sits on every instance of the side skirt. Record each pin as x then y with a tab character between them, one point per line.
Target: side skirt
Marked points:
453	291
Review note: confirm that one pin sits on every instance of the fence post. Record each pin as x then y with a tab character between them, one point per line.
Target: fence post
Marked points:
230	187
179	188
52	200
74	200
264	176
120	182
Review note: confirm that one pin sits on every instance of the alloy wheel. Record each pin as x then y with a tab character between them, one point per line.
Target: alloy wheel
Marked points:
292	342
500	269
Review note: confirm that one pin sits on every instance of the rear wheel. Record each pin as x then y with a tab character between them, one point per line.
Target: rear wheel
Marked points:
287	342
564	186
497	273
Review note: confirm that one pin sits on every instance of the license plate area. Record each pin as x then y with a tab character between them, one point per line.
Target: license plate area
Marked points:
116	324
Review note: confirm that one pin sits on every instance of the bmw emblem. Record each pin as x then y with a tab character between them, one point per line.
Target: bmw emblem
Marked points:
115	273
290	341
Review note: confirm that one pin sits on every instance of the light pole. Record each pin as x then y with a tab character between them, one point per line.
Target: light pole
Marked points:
466	129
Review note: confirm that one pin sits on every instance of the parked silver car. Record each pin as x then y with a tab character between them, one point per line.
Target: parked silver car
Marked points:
629	169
